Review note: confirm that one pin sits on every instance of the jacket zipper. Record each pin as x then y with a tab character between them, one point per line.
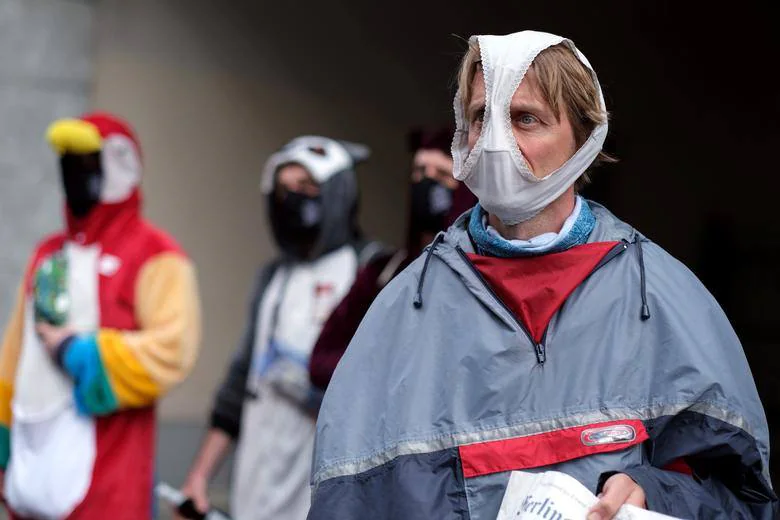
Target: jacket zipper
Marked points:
541	355
619	248
539	347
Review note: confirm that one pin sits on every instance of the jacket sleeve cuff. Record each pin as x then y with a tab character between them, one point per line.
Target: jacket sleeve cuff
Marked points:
669	492
639	474
227	425
5	447
647	478
61	350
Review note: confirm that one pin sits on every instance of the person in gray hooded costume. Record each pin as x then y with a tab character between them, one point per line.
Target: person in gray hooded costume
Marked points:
266	403
537	333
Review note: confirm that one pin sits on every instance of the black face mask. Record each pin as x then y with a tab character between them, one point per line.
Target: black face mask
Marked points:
297	220
82	180
431	203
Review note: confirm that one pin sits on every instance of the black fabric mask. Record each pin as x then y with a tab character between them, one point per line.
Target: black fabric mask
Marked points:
297	221
431	203
82	181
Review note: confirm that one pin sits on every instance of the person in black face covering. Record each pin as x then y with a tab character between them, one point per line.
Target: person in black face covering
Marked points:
432	190
436	200
107	321
266	403
296	211
82	180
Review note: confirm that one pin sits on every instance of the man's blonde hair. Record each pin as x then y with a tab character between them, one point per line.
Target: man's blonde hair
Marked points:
563	82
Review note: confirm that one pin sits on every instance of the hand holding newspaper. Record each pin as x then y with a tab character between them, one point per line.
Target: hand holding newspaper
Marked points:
557	496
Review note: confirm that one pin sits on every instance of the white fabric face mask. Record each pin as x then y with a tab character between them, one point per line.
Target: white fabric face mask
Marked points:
495	169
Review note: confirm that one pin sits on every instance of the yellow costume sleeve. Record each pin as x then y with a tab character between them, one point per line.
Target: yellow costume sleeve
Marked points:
129	369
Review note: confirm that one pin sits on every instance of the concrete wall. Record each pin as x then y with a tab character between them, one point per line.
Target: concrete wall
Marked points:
46	51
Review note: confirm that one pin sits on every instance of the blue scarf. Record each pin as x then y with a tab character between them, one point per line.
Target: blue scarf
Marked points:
492	245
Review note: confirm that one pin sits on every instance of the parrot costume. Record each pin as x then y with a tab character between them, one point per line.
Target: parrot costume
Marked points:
77	426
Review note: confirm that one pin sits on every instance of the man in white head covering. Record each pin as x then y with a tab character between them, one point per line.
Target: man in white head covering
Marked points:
539	332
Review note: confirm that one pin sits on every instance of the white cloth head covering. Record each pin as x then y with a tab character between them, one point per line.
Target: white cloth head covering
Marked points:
495	169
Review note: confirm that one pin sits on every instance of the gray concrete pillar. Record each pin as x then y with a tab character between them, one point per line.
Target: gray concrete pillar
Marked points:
46	60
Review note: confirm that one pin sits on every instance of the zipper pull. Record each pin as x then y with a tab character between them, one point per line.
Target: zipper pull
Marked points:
541	355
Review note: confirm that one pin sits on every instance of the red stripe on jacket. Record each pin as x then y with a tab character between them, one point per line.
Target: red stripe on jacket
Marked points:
548	448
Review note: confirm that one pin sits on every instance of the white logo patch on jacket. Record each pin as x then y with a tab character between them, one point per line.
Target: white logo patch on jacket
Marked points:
614	434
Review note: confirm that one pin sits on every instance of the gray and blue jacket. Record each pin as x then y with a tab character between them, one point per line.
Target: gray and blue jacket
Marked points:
446	389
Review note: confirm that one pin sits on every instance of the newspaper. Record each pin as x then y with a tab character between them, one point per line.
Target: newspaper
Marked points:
557	496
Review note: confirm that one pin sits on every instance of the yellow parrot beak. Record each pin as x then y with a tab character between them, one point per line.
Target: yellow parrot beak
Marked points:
74	136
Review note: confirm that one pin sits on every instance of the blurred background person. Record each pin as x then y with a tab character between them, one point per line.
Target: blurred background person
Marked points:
266	404
436	199
107	320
